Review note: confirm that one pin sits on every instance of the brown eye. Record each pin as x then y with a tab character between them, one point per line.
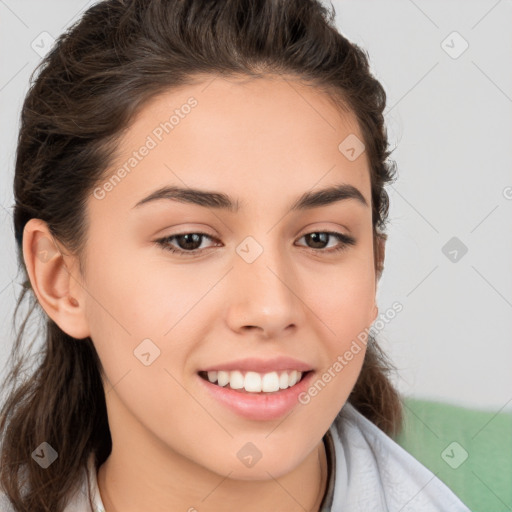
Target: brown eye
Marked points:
319	240
188	243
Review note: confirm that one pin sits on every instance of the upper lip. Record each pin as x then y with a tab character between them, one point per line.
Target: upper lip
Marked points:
262	365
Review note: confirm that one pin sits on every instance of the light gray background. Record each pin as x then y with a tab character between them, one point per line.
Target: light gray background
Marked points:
451	122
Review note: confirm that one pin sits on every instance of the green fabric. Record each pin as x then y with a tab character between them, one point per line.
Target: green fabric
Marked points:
441	435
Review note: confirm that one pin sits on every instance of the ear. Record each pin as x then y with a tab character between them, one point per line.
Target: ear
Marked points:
55	279
375	312
379	252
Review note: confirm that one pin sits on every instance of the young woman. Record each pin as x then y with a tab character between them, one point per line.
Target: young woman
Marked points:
200	213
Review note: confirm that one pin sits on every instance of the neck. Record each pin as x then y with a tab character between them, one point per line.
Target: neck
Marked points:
132	486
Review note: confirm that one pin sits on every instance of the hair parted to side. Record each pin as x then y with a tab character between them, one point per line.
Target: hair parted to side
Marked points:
87	89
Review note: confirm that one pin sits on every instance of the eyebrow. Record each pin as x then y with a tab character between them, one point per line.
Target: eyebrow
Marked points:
221	201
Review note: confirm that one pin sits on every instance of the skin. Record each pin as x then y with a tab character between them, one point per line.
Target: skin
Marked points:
265	142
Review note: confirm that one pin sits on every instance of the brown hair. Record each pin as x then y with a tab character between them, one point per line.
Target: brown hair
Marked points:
92	83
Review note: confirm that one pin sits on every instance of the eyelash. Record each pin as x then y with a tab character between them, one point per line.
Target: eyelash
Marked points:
345	240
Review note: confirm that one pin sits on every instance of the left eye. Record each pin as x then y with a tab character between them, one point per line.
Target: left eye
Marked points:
190	242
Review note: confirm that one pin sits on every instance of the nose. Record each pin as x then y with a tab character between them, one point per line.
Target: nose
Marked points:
264	296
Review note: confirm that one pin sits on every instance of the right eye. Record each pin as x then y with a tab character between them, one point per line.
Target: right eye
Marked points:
187	240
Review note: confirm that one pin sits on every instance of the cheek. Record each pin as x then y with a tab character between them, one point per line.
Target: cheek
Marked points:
343	298
132	298
344	302
142	312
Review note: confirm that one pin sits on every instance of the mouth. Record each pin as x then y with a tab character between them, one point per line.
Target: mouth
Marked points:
254	382
264	395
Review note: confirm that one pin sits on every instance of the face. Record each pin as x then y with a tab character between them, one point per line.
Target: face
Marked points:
255	289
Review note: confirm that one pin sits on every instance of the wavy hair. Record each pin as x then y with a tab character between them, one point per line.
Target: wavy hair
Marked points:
98	75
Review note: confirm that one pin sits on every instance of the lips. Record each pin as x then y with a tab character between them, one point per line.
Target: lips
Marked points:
262	406
263	366
282	380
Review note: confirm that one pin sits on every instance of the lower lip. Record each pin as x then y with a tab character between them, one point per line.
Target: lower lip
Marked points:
259	406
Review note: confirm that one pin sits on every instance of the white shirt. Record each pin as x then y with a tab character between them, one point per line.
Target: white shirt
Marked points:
368	472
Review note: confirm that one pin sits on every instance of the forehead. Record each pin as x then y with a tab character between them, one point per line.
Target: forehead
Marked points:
239	135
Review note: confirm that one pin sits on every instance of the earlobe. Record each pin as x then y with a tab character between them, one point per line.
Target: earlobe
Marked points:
52	282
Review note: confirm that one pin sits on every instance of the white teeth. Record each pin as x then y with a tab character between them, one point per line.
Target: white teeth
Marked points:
236	380
223	378
270	382
254	382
